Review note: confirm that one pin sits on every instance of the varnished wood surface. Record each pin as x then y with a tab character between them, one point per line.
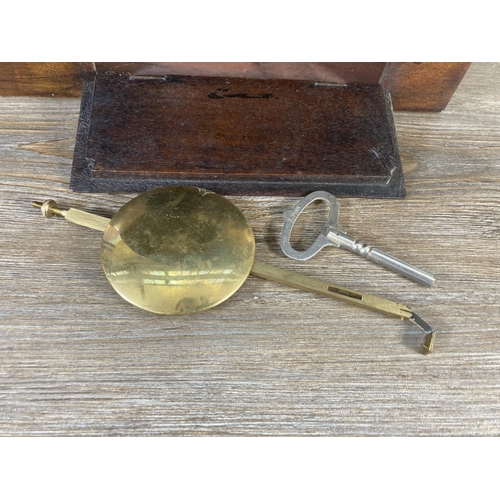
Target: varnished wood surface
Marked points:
235	136
423	86
60	79
77	360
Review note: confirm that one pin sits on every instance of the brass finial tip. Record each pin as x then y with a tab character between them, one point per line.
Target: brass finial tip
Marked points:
49	208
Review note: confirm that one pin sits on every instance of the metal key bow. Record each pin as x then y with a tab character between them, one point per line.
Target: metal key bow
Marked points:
333	235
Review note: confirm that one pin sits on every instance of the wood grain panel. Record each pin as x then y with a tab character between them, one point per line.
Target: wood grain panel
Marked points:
59	79
424	86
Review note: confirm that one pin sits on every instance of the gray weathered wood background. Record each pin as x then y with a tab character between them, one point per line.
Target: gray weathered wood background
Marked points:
77	360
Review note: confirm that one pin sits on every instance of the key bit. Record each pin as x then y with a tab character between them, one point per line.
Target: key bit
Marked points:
333	235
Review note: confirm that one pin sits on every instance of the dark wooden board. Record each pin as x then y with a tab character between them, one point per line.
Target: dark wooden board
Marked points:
236	136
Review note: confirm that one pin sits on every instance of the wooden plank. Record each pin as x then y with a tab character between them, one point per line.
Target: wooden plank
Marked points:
59	79
424	86
76	360
414	86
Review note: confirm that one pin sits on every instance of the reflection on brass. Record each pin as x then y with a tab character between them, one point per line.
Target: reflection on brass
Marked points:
180	250
177	250
321	287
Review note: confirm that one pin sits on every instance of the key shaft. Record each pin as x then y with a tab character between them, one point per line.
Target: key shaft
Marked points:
340	239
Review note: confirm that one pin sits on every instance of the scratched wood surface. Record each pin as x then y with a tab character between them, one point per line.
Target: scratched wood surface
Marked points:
77	360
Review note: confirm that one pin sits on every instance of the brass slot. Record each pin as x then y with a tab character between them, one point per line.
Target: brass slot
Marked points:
345	292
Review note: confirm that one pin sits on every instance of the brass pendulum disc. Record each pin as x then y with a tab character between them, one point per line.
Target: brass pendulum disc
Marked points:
177	250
